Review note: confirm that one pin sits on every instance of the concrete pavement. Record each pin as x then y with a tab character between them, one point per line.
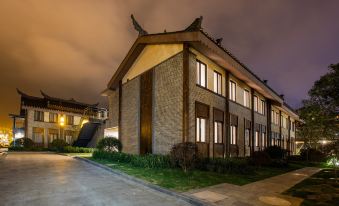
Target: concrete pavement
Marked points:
265	192
51	179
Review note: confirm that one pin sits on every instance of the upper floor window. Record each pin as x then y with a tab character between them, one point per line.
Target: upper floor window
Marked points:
272	116
201	74
53	117
246	98
69	120
262	108
277	118
233	90
201	130
233	134
39	116
217	82
255	104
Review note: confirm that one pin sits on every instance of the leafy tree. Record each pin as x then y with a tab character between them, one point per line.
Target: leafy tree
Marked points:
320	113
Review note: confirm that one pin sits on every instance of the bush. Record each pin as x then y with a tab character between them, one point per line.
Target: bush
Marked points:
228	165
146	161
23	142
58	145
70	149
260	158
276	152
110	144
184	155
312	155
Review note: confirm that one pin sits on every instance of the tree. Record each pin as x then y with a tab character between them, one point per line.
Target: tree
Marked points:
320	113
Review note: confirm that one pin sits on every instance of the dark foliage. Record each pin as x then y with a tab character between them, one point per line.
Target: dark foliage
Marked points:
184	155
228	165
312	155
276	152
260	158
58	145
110	144
23	142
70	149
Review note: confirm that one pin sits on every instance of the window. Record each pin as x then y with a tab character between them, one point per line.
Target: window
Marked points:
201	130
69	136
217	132
69	120
293	126
246	98
263	139
277	118
232	91
201	74
255	106
247	137
52	134
233	134
272	116
38	116
262	111
38	135
217	82
53	117
256	143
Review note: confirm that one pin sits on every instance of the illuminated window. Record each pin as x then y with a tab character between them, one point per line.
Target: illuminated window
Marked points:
263	139
69	120
233	134
255	104
217	82
256	140
246	98
53	117
201	74
217	132
38	116
201	130
262	108
247	137
233	91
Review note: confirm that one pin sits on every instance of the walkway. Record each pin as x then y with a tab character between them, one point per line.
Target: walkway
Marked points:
51	179
264	192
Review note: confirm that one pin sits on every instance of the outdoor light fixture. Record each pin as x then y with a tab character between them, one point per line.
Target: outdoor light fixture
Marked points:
62	121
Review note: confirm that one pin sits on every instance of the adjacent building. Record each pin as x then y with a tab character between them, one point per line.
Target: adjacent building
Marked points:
184	86
44	119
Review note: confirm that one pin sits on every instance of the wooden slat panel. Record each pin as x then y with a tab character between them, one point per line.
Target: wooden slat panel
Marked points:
203	149
218	115
219	150
202	110
146	112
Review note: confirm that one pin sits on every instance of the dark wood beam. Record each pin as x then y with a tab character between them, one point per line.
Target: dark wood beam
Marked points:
185	93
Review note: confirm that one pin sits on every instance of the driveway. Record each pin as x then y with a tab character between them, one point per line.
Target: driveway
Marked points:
51	179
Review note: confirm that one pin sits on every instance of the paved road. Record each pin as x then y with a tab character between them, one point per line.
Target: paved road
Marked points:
50	179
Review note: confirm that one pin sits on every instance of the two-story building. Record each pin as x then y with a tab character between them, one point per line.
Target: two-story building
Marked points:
184	86
44	119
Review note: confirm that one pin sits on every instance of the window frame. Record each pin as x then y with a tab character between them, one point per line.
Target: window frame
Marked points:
198	135
247	98
233	86
233	134
216	79
51	119
39	116
263	106
216	129
255	103
67	122
199	63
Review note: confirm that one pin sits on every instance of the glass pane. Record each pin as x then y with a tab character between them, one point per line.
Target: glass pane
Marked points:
219	132
198	73
215	132
203	75
198	131
203	130
215	78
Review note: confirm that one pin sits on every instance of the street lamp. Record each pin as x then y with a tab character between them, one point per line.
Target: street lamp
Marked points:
61	123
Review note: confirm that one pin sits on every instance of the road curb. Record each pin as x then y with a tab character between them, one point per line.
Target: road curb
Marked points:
184	197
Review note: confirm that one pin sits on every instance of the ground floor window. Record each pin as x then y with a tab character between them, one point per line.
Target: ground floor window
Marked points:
38	135
247	137
217	132
52	135
233	134
263	139
256	139
69	135
201	130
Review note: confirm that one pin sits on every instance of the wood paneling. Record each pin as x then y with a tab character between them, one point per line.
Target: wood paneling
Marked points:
202	110
146	83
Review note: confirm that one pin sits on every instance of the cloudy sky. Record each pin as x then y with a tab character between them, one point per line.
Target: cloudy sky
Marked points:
71	48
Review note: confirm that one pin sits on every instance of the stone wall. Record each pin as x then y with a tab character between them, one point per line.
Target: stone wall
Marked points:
167	104
130	115
113	103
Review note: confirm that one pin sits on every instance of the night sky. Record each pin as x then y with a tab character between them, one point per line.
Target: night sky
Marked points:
71	48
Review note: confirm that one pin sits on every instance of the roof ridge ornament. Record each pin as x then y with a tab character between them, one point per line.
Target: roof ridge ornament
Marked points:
196	25
137	27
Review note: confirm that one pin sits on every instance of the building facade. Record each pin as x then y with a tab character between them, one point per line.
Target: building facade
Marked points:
185	87
44	119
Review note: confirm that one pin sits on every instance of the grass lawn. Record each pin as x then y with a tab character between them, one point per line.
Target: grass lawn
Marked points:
177	180
320	189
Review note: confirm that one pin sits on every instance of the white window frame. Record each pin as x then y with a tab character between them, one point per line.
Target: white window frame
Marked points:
256	139
201	129
201	74
218	130
233	137
233	91
217	77
246	98
255	103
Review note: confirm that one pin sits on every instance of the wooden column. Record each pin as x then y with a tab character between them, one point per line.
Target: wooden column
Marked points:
227	115
289	136
269	122
252	121
185	94
280	127
119	112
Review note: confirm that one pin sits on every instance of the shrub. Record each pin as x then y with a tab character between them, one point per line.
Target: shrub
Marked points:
110	144
312	155
260	158
58	145
70	149
23	142
184	155
276	152
146	161
228	165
